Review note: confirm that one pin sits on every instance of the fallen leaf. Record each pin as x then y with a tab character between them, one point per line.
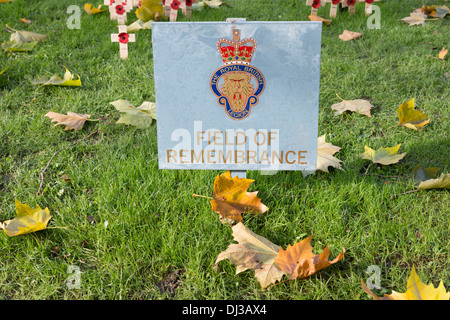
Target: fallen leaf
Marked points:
138	25
140	117
415	19
314	17
410	118
67	80
384	156
13	46
349	35
149	10
442	53
26	36
415	290
298	261
325	158
93	10
443	182
253	252
27	220
231	198
420	174
72	121
214	4
25	21
5	1
359	105
435	11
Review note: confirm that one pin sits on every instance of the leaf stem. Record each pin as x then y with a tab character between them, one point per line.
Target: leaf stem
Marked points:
200	196
367	169
340	97
400	194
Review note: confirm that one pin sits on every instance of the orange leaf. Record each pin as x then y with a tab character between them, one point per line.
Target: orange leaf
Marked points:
231	198
72	120
299	261
442	53
349	35
313	17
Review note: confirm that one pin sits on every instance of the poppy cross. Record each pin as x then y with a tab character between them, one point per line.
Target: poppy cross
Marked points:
123	38
118	9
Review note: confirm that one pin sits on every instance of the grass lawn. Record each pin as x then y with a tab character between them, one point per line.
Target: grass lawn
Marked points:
136	232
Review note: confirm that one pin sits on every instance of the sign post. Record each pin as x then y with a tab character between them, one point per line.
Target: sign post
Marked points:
237	96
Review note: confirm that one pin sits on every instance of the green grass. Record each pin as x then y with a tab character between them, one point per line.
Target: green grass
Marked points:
158	237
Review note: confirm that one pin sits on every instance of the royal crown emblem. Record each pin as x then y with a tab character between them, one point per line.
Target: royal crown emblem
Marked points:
237	84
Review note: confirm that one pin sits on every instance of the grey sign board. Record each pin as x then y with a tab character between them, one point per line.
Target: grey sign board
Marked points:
237	96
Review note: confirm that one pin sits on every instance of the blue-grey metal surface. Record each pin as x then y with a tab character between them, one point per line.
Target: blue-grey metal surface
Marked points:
194	130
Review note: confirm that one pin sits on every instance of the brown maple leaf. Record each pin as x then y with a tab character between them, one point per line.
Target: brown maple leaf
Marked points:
231	198
253	252
298	261
72	120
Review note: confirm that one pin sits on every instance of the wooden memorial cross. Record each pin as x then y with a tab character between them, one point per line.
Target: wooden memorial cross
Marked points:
118	9
123	38
333	8
171	8
315	5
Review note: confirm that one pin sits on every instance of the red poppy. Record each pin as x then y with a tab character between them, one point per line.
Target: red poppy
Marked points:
175	5
316	4
120	9
351	2
369	1
189	2
335	1
111	2
123	37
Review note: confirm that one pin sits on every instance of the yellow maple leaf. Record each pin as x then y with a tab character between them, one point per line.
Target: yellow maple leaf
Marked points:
231	198
92	9
149	10
416	290
27	220
411	118
384	156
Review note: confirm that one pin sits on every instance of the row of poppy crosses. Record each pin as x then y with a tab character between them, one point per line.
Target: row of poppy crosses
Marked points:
118	10
316	4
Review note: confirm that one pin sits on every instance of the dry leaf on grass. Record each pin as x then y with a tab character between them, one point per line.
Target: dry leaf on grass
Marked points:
140	117
298	261
253	252
149	10
92	9
269	261
325	158
415	18
442	53
415	290
359	105
72	121
27	220
349	35
231	198
138	25
313	17
411	118
384	156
